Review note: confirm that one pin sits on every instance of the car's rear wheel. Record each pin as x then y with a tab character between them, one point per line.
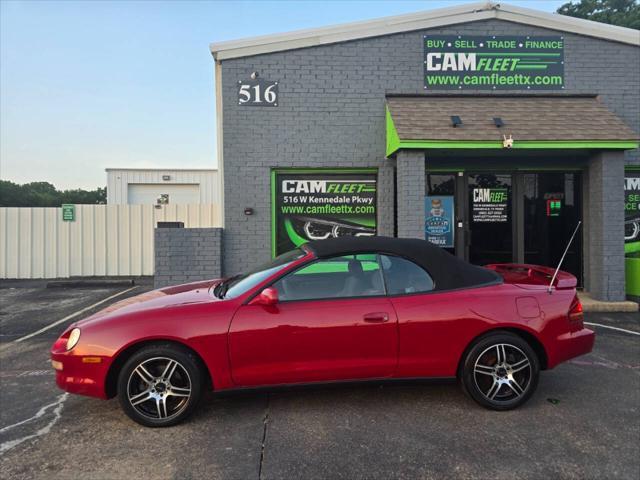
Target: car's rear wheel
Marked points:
500	371
160	385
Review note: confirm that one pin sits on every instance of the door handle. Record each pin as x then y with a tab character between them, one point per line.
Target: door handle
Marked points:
376	317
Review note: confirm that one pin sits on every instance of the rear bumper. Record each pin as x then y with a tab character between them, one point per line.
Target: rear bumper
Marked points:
570	345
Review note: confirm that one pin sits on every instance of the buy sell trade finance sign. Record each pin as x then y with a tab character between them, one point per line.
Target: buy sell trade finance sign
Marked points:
493	62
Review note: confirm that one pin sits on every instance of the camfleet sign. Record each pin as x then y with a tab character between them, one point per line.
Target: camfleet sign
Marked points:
492	62
323	186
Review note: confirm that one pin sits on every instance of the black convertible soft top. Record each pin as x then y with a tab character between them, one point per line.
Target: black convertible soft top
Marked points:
447	271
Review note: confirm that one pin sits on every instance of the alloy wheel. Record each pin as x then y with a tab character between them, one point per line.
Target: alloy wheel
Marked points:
502	373
159	388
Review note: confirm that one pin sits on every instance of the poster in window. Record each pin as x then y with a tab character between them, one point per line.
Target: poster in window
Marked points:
490	205
439	220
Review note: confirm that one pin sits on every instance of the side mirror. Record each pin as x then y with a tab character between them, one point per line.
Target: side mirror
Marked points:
267	297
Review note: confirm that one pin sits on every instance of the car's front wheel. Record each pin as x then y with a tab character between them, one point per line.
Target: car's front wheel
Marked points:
160	385
500	371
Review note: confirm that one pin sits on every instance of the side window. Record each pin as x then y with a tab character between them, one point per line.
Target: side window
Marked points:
403	276
337	277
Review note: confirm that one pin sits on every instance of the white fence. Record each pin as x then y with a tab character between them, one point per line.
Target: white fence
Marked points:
104	240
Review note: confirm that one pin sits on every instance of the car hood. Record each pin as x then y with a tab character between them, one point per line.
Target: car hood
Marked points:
186	294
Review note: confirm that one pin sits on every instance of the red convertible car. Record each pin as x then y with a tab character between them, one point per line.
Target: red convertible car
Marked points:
344	309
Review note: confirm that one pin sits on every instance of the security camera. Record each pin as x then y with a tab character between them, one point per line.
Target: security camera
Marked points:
254	75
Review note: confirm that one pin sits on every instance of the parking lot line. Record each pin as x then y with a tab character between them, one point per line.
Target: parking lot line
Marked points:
69	317
612	328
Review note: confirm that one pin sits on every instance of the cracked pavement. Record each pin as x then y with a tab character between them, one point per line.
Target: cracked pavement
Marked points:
583	422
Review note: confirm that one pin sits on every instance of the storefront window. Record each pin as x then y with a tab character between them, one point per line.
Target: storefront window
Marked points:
552	209
507	217
441	184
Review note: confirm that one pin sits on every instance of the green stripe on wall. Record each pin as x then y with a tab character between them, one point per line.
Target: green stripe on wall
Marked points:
523	144
531	67
393	140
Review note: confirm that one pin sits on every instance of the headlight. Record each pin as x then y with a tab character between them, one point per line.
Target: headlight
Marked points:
319	229
74	336
632	229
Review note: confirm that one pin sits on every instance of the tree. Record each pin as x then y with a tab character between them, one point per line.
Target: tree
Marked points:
40	194
11	194
44	194
99	195
624	13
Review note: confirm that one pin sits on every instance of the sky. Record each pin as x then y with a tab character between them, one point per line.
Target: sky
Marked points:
86	85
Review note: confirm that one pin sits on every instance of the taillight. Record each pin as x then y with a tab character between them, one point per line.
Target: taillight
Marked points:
576	315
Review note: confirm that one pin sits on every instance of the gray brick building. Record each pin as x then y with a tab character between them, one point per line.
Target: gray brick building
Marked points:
184	255
376	96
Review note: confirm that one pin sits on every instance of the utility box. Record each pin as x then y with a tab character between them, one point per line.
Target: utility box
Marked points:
170	224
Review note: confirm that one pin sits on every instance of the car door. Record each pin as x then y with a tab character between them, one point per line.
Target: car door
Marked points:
332	322
433	327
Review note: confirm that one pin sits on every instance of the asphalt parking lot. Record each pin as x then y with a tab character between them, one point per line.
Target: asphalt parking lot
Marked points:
583	422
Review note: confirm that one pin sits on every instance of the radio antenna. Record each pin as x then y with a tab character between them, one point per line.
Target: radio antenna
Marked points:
555	274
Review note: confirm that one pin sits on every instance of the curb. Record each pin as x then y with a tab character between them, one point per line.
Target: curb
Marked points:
89	283
591	305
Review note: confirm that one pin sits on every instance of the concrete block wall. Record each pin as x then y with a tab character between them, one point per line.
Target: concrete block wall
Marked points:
410	188
331	114
386	199
604	227
185	255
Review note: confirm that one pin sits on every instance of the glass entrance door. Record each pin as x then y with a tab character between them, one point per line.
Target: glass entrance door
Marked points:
507	217
552	208
490	218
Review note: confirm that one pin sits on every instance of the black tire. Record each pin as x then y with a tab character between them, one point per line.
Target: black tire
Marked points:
497	384
160	385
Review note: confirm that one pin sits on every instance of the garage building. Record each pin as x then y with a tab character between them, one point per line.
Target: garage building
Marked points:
490	130
142	186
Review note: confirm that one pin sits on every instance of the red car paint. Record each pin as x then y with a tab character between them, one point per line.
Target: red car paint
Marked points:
247	344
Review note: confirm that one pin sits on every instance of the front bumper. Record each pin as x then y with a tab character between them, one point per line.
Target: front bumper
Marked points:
81	374
570	345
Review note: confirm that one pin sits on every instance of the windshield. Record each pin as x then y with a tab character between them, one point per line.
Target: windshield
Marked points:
240	284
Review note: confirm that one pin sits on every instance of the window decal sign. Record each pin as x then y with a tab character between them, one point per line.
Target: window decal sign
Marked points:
632	231
439	220
632	210
319	204
554	207
490	205
485	62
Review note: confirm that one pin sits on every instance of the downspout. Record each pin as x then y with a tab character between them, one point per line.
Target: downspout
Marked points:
220	138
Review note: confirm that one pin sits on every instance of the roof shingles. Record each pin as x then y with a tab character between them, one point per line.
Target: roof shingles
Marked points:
537	118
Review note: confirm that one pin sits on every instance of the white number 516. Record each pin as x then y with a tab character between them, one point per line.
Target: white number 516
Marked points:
257	94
